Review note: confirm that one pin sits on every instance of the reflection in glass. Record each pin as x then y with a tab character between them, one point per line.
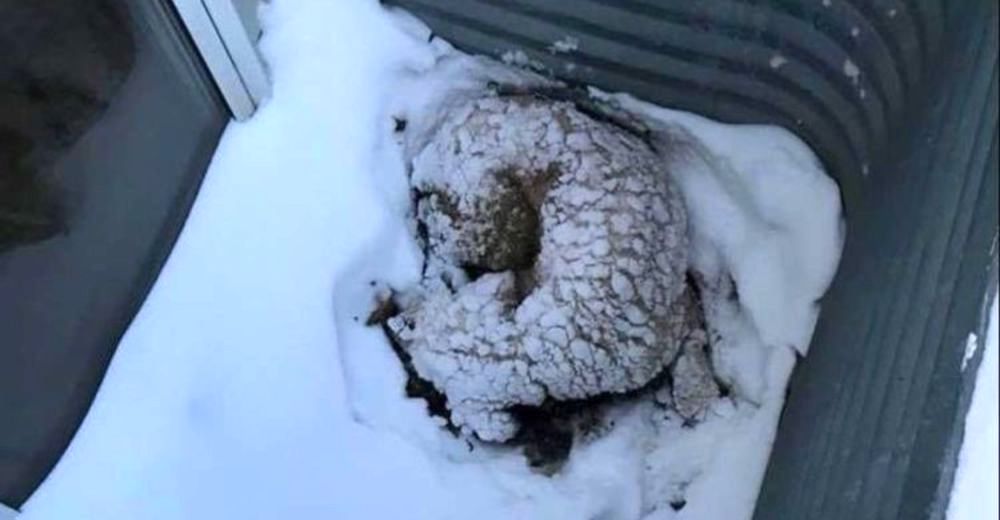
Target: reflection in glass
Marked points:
62	62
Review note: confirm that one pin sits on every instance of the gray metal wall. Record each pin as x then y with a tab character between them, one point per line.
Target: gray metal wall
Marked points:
876	412
717	57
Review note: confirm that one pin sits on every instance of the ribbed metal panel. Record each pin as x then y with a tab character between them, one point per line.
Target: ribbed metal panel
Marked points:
883	391
839	73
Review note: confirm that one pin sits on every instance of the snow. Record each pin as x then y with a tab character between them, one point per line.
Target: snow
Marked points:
851	70
764	211
971	346
564	45
974	496
517	57
248	386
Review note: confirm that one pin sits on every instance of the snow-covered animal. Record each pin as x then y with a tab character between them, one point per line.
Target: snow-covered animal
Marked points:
556	264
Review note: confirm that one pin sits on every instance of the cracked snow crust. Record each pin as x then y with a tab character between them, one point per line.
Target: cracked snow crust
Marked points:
600	310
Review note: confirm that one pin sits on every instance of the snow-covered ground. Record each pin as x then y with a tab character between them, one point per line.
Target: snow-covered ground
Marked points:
975	495
249	387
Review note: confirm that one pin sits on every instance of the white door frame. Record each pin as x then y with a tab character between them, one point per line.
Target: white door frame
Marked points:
228	46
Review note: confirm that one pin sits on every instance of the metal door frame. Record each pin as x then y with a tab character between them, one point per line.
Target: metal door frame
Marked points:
226	42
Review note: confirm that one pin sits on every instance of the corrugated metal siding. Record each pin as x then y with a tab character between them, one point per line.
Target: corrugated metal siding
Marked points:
717	57
874	413
884	388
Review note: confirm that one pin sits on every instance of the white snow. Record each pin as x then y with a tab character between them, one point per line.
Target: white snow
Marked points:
516	57
974	496
764	211
247	387
851	70
971	346
564	45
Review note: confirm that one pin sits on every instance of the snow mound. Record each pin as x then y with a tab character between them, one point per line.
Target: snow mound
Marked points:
765	234
577	241
762	210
